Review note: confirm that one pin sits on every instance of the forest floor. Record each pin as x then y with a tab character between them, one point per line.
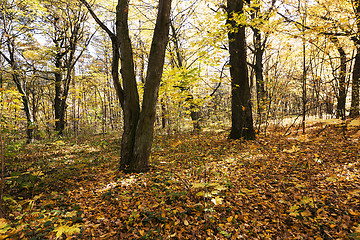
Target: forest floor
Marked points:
200	186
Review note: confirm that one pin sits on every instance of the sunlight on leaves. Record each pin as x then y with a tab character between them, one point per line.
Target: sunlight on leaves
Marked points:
67	230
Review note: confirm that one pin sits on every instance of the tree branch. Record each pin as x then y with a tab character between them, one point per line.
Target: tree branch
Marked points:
98	21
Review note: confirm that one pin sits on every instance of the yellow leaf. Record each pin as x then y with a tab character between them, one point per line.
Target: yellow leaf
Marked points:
3	223
186	223
217	200
4	226
292	150
67	230
352	212
306	213
294	214
229	219
357	229
142	232
59	231
198	185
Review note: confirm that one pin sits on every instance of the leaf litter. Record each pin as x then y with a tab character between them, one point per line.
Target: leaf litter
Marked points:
200	186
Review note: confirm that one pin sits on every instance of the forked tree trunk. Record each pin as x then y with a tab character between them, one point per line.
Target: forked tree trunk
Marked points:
138	125
145	128
242	120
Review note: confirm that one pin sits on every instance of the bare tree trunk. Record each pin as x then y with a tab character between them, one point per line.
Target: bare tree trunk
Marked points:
242	121
131	105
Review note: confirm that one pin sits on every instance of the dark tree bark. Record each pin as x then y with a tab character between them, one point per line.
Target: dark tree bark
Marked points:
259	68
341	96
131	107
354	110
145	128
242	120
138	125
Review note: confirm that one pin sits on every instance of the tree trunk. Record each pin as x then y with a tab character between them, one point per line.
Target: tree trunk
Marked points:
164	117
258	66
260	85
242	121
340	109
354	110
61	94
59	118
138	126
65	61
131	106
145	129
30	124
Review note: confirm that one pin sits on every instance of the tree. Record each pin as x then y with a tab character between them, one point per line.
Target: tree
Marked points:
16	19
354	110
138	123
260	39
242	120
66	20
341	96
